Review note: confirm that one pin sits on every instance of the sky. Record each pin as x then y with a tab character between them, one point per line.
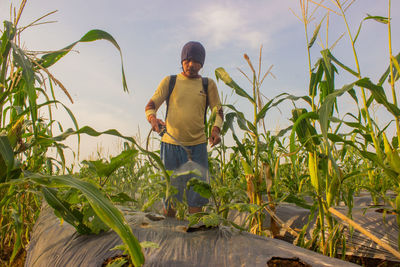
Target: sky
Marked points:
152	33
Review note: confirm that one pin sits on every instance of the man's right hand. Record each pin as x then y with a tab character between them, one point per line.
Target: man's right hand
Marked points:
155	123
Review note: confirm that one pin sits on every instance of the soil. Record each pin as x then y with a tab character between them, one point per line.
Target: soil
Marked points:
286	262
5	255
371	262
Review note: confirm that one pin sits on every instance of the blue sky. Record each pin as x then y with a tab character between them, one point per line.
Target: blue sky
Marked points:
151	34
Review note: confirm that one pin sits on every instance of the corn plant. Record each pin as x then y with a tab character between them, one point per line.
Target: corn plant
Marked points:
255	160
128	178
26	170
326	174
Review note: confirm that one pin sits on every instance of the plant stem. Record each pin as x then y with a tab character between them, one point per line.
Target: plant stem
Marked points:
391	71
304	11
370	126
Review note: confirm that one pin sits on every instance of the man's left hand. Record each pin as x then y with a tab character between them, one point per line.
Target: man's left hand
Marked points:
215	138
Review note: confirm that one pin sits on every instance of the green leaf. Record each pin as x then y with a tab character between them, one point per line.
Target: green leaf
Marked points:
109	214
211	220
221	74
106	169
291	198
18	224
93	221
8	35
302	128
358	31
241	148
148	244
63	209
49	59
396	68
387	72
244	207
329	71
379	95
28	75
248	170
121	198
201	187
120	262
228	122
6	158
91	132
276	101
326	108
316	77
341	64
379	19
315	34
241	119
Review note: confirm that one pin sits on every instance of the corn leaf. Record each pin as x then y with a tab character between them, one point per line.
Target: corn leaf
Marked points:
329	54
91	132
63	209
221	74
106	169
387	72
329	71
261	114
241	148
6	158
301	128
326	108
49	59
28	75
379	95
228	122
244	207
315	34
379	19
18	231
396	69
104	209
365	154
241	119
291	198
248	170
7	36
315	78
201	187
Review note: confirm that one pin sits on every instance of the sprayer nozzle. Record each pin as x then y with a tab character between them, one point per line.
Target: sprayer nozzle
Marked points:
163	129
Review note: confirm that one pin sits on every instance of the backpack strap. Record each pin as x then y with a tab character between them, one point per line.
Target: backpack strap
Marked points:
172	81
171	86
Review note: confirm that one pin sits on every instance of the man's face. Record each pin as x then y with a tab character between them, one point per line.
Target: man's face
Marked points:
191	68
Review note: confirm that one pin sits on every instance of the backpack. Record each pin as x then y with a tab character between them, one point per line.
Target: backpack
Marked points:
172	80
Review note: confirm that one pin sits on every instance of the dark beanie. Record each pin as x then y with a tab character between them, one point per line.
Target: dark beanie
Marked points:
195	51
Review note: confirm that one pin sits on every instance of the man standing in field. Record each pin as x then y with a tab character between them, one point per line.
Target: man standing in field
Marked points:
187	96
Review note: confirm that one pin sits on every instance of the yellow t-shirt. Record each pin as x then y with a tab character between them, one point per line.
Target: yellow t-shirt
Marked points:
187	103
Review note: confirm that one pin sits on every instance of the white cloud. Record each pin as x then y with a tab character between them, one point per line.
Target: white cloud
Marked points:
223	24
241	24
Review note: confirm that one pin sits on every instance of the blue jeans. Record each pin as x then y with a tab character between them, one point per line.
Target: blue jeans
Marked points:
173	157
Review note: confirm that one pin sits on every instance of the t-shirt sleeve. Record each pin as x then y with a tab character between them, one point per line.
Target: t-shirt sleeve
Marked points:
159	97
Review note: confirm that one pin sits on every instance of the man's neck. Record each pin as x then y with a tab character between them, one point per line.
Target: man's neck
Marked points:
191	77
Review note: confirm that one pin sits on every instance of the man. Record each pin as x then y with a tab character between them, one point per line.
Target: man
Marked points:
186	109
